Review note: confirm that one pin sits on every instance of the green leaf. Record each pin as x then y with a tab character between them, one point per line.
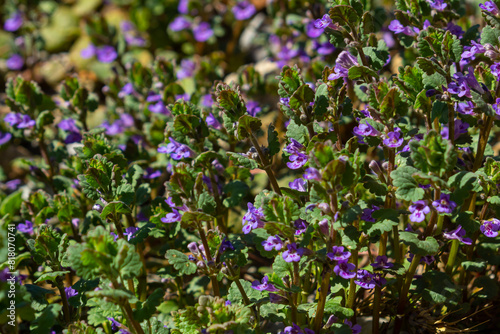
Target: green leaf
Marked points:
234	294
230	101
433	154
206	203
490	35
334	306
206	158
297	132
46	319
281	209
44	118
273	141
407	187
282	268
429	246
143	194
378	58
321	101
146	310
477	266
374	185
115	209
51	276
462	184
181	262
344	15
241	160
357	72
302	97
235	192
289	81
127	260
12	203
437	288
248	125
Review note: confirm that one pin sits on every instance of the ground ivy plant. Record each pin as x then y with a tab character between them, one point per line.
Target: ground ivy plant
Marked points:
351	186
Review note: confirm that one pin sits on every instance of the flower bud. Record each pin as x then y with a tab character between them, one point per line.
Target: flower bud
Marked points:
325	208
201	265
324	227
375	167
331	320
97	207
193	248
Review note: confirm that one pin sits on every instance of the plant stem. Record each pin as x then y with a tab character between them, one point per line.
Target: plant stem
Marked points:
440	222
215	283
266	165
325	282
451	123
352	286
66	309
125	306
452	257
404	293
481	145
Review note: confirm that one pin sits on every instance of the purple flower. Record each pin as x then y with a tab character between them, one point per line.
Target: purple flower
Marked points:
466	108
491	7
264	286
344	62
324	49
14	22
382	262
295	329
176	150
444	205
364	279
366	215
183	6
297	160
293	147
418	211
106	54
394	138
243	10
338	254
273	242
458	234
27	227
490	227
158	108
379	279
356	329
5	137
253	108
88	52
115	325
300	226
312	174
324	227
68	125
227	303
126	90
495	70
174	216
459	86
396	27
365	129
277	299
438	5
15	62
455	29
298	184
207	101
130	231
202	32
225	245
293	254
70	292
471	51
324	22
186	69
179	23
345	269
253	218
213	122
312	31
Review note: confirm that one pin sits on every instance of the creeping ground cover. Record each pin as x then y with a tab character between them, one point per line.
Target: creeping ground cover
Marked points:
250	166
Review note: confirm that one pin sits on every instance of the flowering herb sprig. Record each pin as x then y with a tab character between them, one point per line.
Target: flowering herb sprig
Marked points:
166	187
